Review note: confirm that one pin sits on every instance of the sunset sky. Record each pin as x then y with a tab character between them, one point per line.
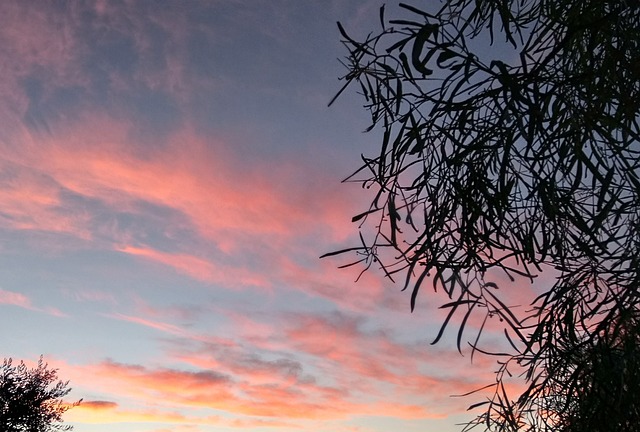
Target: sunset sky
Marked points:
170	174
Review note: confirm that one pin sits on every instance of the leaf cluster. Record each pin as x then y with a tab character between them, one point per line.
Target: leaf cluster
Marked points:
31	399
519	155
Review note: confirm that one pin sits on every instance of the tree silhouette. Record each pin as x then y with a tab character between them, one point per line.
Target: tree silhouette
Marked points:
31	399
510	144
606	374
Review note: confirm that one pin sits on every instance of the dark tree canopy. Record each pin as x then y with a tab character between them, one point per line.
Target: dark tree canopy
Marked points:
510	142
31	399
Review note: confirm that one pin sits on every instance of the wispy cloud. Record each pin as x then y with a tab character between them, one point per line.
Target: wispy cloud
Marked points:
213	390
184	208
317	368
106	412
15	299
199	268
12	298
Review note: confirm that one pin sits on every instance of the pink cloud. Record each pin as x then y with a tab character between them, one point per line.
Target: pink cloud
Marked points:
261	406
30	200
348	371
20	300
364	360
163	327
15	299
52	43
247	217
339	339
199	268
107	412
190	176
92	413
169	312
33	40
278	401
346	363
323	279
243	362
98	405
228	202
174	330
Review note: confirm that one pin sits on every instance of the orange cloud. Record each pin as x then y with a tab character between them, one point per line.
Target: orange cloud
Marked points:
98	405
106	412
166	390
348	364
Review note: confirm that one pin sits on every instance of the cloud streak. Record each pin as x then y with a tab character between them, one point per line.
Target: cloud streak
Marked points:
303	370
212	390
11	298
184	208
15	299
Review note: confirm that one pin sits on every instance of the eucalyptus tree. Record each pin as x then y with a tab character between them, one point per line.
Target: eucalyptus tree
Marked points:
509	143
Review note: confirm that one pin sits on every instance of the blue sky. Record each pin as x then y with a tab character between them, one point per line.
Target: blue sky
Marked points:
170	175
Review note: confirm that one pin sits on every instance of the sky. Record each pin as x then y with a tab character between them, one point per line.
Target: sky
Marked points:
170	174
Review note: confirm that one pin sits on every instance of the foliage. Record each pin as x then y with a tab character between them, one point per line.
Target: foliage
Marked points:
606	369
31	399
519	156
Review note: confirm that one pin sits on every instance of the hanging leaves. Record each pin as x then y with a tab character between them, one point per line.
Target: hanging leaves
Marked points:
513	162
